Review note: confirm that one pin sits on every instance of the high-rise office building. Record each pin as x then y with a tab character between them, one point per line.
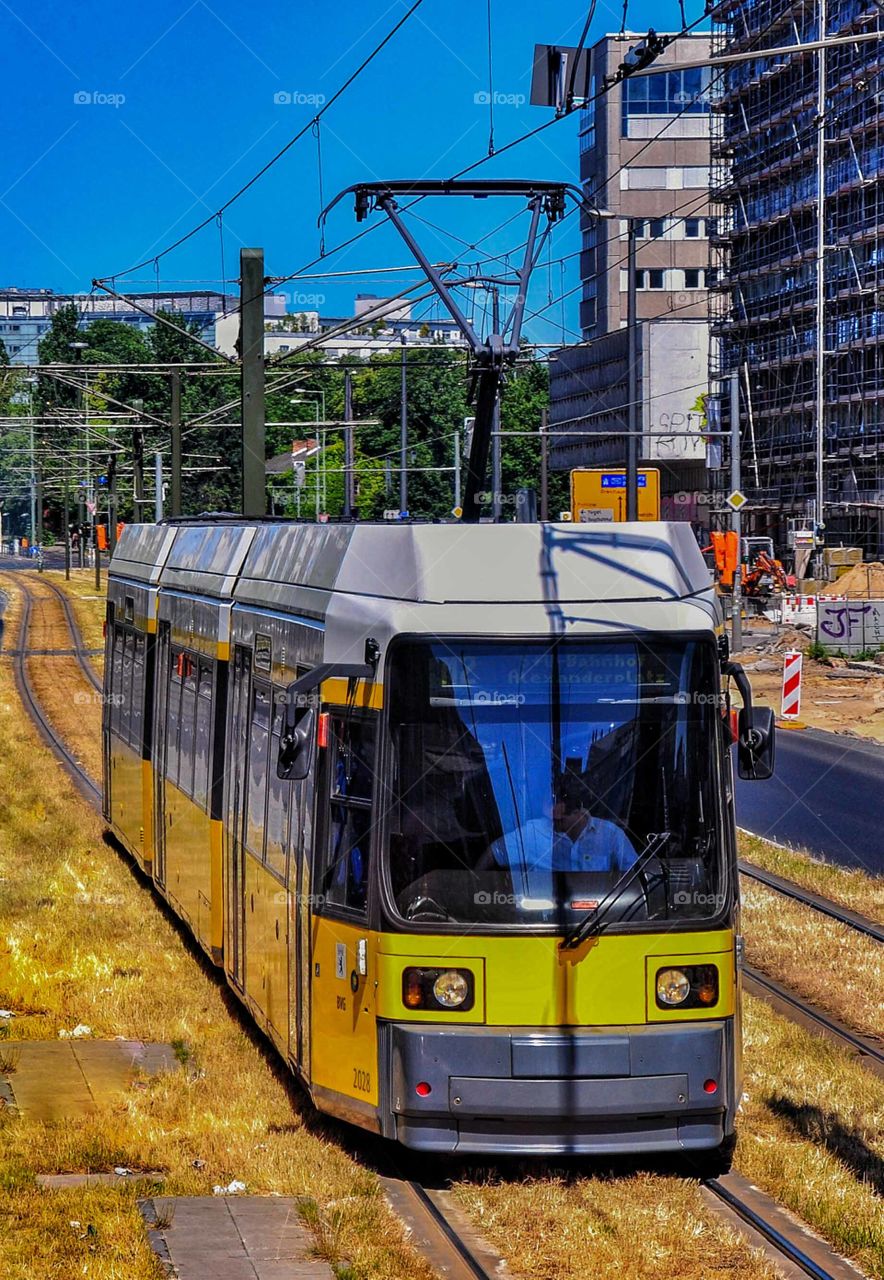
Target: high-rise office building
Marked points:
798	307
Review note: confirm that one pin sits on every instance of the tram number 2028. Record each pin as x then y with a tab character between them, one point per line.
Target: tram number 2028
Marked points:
361	1080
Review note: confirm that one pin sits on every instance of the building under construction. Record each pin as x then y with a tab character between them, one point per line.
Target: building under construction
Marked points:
798	263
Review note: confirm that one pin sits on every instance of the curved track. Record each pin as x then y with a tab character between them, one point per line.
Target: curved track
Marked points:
84	783
80	652
438	1228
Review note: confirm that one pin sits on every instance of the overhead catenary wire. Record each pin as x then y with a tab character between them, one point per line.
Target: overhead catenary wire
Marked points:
326	106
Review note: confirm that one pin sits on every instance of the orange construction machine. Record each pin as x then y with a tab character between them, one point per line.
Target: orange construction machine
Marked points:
761	572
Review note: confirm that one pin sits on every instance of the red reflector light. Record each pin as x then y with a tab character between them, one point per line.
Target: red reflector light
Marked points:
422	1089
322	730
735	726
711	1086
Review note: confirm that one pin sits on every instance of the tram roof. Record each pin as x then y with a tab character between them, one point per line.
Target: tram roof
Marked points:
423	563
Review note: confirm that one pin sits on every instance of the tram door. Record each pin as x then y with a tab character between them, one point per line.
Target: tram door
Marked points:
240	698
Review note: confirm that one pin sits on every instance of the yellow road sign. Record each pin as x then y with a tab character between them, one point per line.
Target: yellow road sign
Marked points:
599	494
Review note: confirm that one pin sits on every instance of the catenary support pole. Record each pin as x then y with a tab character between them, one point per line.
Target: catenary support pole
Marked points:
349	476
254	477
736	519
175	424
403	435
632	373
158	487
544	464
496	464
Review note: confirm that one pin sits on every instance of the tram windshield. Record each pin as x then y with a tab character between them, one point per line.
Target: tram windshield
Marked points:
529	777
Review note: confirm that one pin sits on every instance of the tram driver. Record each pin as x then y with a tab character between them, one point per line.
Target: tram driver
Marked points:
568	837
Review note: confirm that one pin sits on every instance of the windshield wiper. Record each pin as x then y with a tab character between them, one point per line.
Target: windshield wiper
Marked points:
594	921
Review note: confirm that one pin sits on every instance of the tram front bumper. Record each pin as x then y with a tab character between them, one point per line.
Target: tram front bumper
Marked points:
606	1090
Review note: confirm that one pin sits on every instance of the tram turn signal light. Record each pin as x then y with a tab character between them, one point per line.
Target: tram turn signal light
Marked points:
450	989
692	986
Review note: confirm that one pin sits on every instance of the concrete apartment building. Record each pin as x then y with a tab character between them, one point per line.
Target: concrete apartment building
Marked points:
644	152
26	314
776	228
385	322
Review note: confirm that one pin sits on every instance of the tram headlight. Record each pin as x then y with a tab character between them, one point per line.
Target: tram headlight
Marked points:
450	989
690	986
673	987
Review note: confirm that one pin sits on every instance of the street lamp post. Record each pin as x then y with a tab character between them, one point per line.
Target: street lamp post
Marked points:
78	348
32	382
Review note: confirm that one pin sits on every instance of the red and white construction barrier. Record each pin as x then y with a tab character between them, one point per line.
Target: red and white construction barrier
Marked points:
791	702
802	608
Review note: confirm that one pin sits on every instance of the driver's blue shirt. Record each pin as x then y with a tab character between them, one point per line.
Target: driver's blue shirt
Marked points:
536	847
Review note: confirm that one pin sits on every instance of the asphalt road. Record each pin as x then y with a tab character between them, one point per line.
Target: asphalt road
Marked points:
826	795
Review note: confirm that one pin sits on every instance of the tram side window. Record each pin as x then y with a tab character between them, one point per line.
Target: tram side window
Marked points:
127	687
119	638
202	746
279	800
259	734
173	716
345	874
186	725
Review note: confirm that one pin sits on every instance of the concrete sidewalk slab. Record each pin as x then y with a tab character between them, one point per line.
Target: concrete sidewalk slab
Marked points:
232	1238
60	1079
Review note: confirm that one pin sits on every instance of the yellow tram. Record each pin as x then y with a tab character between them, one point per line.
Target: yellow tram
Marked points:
453	808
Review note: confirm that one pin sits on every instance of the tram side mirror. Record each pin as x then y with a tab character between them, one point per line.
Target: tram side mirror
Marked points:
296	743
756	743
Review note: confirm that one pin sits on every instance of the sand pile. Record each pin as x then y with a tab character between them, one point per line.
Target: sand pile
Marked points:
862	582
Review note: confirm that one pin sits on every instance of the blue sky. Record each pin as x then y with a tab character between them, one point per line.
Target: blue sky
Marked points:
182	106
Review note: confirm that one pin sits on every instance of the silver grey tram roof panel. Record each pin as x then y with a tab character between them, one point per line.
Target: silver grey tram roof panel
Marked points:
141	552
206	559
297	568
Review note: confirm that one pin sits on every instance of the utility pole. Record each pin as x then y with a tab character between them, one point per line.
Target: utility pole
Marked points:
632	372
158	487
138	474
40	505
403	436
821	108
111	504
254	474
544	464
175	423
736	519
349	486
457	468
496	468
67	526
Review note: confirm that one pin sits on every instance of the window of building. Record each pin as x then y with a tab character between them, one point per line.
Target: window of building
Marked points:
344	876
667	93
691	228
657	228
695	176
656	279
692	278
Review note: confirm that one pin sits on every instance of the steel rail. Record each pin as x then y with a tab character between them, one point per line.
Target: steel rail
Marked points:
80	651
84	783
862	924
797	1251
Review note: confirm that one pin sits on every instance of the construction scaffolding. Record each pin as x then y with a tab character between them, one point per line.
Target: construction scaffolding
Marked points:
798	304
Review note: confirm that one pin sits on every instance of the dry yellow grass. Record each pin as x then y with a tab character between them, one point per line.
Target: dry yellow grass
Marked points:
857	890
812	1133
828	963
88	604
644	1227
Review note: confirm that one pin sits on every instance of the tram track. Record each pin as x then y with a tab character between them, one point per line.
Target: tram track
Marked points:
834	910
438	1228
84	782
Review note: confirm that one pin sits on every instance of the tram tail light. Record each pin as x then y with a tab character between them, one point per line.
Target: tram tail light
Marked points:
451	990
735	725
322	730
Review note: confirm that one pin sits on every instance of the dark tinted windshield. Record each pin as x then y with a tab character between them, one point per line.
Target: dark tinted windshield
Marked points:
528	777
